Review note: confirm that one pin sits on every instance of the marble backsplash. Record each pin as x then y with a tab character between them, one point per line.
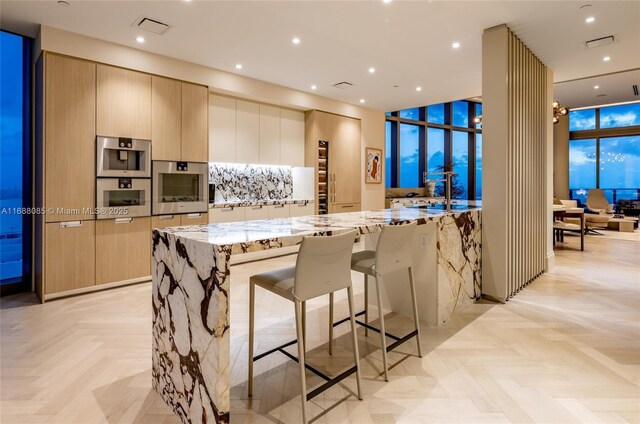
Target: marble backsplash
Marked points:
240	182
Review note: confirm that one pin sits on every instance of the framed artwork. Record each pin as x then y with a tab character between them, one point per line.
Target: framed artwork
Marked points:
373	166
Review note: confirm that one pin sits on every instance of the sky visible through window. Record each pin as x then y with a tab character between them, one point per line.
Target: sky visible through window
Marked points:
10	154
619	157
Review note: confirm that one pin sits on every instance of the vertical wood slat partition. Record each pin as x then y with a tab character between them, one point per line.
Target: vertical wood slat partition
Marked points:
515	119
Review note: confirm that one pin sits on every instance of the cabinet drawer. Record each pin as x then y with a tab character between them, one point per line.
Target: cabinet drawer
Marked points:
164	221
301	209
194	219
344	207
278	211
123	249
232	214
70	261
256	212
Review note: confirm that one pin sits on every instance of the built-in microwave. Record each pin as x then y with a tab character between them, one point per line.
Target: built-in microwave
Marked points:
123	157
122	197
180	187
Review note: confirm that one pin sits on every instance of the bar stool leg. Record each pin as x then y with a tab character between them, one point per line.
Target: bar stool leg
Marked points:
383	340
415	310
252	293
299	306
356	354
304	322
366	303
331	323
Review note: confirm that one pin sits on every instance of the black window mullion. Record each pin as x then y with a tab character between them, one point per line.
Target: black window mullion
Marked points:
422	148
395	158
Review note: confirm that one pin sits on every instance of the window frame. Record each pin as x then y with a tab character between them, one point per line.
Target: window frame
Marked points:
448	128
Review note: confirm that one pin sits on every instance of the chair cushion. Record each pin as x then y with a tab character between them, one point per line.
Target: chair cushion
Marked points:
279	281
596	218
364	261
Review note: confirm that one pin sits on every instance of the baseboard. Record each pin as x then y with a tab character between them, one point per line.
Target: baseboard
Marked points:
549	261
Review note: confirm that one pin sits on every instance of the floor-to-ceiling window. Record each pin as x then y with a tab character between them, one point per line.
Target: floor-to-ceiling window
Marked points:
15	129
604	152
431	139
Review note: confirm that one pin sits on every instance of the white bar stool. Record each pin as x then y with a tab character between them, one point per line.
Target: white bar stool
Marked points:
393	253
322	267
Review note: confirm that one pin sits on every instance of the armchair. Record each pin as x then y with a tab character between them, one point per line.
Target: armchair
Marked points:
598	203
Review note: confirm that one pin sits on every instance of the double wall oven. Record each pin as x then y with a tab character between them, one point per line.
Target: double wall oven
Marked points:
123	183
180	187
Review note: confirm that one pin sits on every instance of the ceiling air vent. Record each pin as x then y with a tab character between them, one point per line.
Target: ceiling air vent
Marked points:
599	42
343	85
635	89
151	25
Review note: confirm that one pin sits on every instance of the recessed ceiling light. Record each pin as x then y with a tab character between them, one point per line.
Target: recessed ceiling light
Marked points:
606	59
187	1
372	70
456	45
595	87
295	40
313	87
140	39
418	88
590	19
386	1
239	66
361	100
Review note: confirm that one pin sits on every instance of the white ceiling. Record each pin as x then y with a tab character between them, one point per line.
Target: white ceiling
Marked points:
408	42
612	88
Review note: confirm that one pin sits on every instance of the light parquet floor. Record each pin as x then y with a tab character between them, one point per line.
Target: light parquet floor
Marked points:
564	350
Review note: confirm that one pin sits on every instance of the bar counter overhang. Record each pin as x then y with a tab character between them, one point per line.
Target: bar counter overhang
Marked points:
192	289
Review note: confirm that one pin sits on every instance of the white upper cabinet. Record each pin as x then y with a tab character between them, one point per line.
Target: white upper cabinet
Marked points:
222	129
269	135
291	137
241	131
247	132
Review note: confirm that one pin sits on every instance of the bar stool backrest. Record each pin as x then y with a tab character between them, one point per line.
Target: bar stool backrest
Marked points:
393	251
323	265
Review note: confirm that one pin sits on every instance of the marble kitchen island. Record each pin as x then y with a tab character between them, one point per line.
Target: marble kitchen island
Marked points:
192	289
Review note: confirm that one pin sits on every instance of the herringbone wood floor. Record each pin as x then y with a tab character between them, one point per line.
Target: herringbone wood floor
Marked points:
566	349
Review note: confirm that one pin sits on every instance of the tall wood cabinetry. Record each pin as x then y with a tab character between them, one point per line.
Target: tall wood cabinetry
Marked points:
75	101
339	156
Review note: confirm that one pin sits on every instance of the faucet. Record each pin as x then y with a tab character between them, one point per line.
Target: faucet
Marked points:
446	180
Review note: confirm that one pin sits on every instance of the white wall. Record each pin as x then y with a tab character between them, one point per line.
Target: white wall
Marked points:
373	121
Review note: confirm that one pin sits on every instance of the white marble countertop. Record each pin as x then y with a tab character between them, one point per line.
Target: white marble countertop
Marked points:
244	203
264	232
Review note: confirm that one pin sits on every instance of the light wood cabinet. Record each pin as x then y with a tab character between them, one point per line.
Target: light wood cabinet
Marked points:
70	137
194	219
269	135
166	119
123	103
256	212
222	129
195	116
301	209
291	137
164	221
343	178
278	211
217	215
69	252
247	132
123	249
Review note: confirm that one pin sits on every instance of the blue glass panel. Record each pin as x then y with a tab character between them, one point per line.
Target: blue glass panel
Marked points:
582	165
620	116
410	114
435	113
409	154
461	114
388	155
435	155
582	120
620	162
460	161
479	113
11	145
478	166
